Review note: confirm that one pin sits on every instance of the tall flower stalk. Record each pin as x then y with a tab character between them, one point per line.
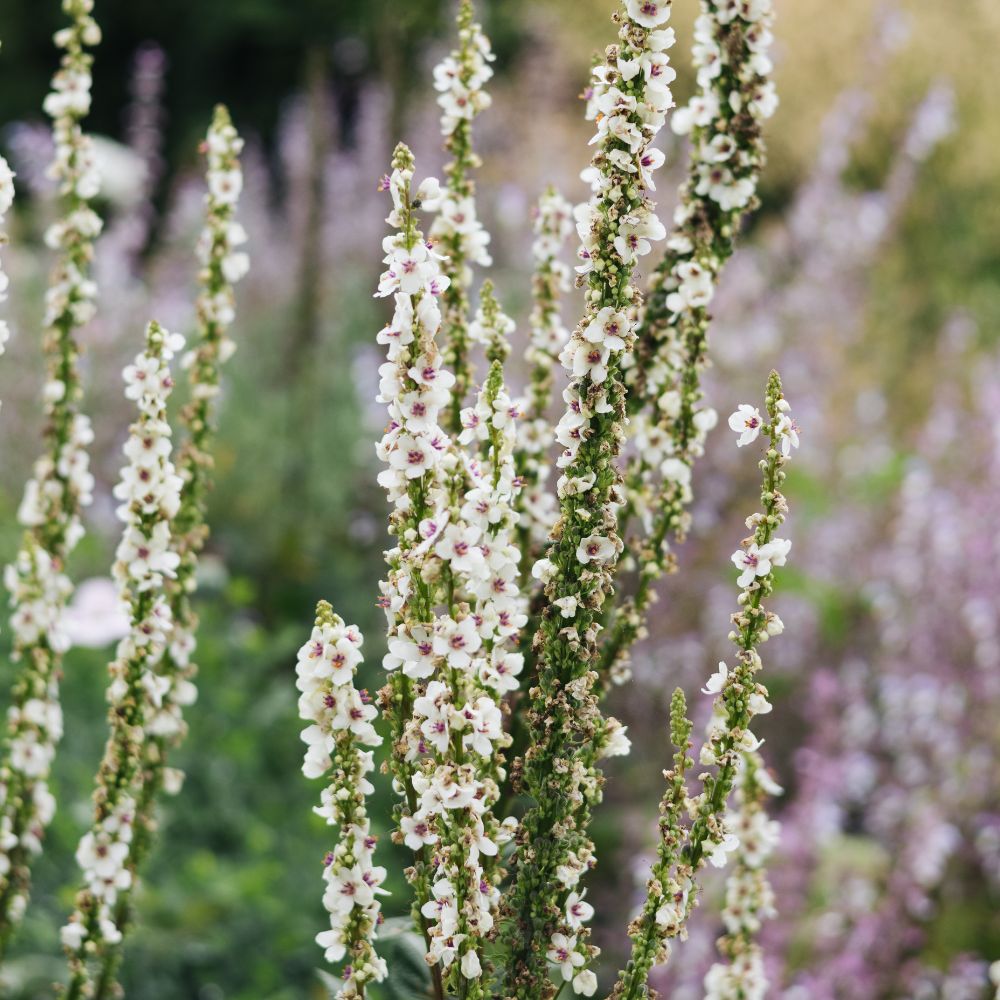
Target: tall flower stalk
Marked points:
567	732
415	390
452	603
711	835
460	80
61	484
223	264
149	491
340	718
670	422
553	226
749	897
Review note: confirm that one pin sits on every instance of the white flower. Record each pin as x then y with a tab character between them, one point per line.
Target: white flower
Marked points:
225	185
429	194
485	721
747	422
470	965
756	560
585	983
412	456
695	290
457	641
96	616
617	743
590	359
6	187
675	470
716	853
596	548
608	327
72	935
788	431
717	681
567	606
417	831
649	13
543	570
459	547
562	952
633	239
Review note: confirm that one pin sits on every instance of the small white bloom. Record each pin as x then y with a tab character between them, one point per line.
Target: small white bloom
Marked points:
596	548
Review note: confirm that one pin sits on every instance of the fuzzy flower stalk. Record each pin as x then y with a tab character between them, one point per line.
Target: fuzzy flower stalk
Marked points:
223	263
149	491
451	602
544	935
553	226
749	897
460	80
669	421
61	484
730	750
340	718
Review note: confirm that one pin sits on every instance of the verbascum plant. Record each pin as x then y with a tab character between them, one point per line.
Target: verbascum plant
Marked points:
749	898
553	226
567	733
500	902
223	263
340	718
669	419
698	829
452	603
149	492
460	80
61	484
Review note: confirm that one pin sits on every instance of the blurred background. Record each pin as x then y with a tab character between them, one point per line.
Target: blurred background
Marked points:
869	278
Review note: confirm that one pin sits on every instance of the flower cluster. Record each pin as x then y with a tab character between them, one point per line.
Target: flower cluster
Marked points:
553	225
415	389
340	718
749	898
60	485
725	117
460	80
730	749
223	263
451	598
149	495
630	100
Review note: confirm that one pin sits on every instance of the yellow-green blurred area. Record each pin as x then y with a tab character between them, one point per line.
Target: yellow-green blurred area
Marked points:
874	334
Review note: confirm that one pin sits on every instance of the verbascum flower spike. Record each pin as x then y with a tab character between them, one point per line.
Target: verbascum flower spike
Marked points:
669	421
543	935
223	263
460	80
749	898
553	226
738	696
341	726
415	390
452	605
666	899
61	484
492	327
149	491
480	566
